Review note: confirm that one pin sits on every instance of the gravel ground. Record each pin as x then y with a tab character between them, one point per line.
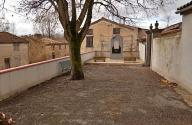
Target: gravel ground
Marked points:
110	95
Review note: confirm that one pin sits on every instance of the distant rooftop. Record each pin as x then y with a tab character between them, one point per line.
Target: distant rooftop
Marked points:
185	8
113	22
49	41
6	38
172	29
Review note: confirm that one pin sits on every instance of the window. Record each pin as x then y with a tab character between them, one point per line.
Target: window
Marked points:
53	55
89	41
116	30
89	38
90	32
59	47
7	63
16	46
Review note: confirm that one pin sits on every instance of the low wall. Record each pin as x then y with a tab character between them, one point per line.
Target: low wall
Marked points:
15	80
87	56
142	51
171	58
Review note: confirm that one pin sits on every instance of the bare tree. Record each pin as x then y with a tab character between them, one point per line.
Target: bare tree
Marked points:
2	3
4	25
75	17
46	24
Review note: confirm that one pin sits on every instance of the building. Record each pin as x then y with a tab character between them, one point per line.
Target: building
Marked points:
41	49
13	51
16	51
55	49
113	40
36	50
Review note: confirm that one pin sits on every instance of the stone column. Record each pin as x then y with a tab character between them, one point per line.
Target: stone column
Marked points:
148	47
151	34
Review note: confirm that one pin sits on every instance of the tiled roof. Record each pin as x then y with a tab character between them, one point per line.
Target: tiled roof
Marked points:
172	29
6	37
184	6
113	22
49	41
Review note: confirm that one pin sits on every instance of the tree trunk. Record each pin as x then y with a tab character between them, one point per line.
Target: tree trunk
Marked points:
75	55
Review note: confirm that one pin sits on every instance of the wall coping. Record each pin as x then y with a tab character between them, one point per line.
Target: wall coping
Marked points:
36	64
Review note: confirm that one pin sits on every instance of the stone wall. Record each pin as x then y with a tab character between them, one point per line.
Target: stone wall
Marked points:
17	58
36	50
41	49
60	50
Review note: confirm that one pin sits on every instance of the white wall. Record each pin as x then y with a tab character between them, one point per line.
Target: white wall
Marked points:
142	51
166	56
172	55
186	48
87	56
15	80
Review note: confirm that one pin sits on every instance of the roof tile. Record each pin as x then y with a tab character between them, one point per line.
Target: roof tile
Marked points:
6	37
184	6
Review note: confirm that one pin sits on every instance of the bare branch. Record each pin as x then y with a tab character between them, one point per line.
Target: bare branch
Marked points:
85	28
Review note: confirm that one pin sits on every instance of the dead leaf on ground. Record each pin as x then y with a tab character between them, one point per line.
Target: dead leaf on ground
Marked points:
166	82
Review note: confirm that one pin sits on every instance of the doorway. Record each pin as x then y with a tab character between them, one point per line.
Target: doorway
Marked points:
117	47
7	63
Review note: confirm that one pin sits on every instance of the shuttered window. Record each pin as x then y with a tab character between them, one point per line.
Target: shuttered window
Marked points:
89	41
116	30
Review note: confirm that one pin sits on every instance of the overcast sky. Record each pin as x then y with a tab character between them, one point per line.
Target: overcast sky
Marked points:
24	25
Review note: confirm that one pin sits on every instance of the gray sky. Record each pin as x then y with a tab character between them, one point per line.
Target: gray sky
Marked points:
24	25
174	18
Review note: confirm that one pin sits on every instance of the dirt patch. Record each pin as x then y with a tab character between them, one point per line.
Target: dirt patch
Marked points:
110	95
187	96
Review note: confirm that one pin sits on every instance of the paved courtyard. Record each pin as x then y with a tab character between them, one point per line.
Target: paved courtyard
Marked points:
110	95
